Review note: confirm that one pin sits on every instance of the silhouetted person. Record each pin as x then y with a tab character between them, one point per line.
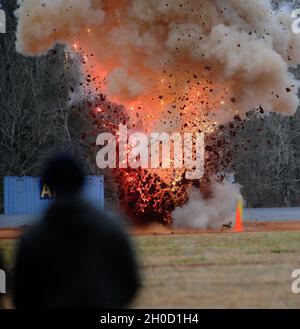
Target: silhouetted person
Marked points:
75	257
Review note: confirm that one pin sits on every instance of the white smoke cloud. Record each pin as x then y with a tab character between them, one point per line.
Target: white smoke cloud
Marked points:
120	83
209	213
43	23
246	46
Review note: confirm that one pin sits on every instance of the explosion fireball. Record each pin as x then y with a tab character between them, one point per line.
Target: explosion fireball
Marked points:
175	66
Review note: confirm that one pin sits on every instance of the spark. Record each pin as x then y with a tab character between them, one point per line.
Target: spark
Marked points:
119	17
66	55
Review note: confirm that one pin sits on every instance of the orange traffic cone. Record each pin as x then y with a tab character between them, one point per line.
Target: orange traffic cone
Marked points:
239	216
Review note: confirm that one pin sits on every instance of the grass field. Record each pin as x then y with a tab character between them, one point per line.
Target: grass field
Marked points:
219	270
215	270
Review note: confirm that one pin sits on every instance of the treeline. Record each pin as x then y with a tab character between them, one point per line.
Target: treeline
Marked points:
266	160
35	119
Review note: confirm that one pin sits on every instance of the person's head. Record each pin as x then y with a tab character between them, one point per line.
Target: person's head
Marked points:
63	173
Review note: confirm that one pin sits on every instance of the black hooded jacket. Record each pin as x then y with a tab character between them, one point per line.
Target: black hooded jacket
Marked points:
75	258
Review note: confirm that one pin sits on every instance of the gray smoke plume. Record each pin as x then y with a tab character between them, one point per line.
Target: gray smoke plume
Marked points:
201	213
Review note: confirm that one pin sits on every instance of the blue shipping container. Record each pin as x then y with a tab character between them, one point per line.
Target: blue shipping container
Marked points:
25	195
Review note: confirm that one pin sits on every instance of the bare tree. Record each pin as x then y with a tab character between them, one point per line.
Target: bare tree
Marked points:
34	111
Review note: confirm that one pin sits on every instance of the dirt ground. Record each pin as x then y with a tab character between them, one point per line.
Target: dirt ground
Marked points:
248	227
7	234
156	229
